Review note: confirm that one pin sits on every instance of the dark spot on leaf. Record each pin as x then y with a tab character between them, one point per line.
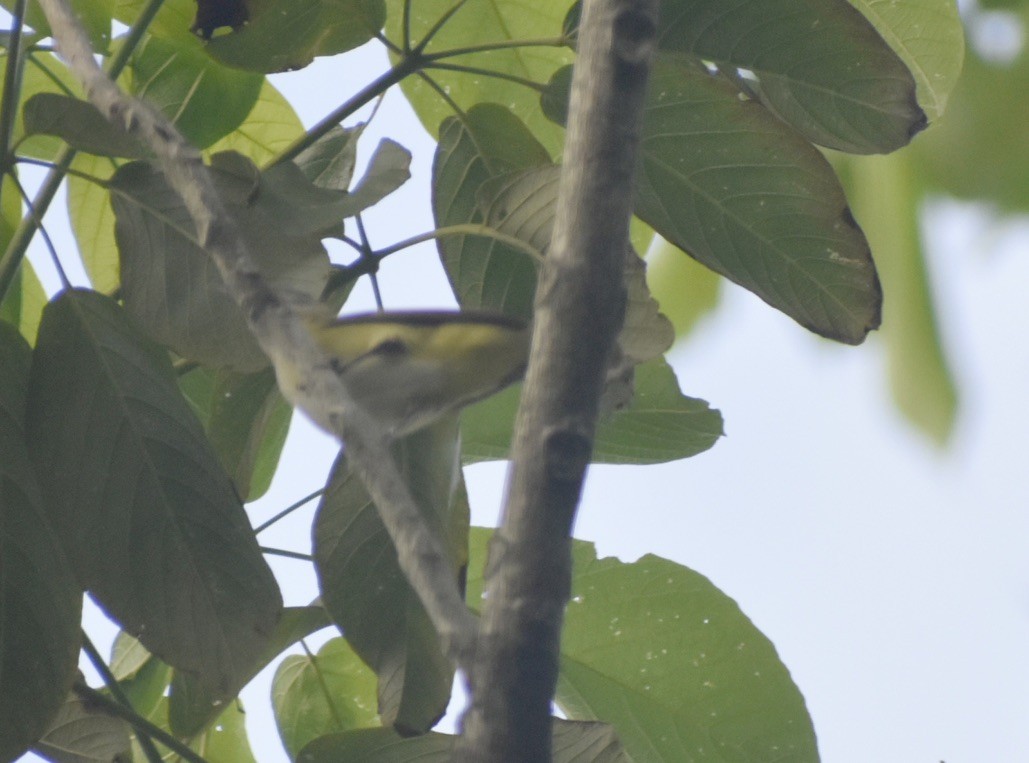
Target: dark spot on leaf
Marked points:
214	14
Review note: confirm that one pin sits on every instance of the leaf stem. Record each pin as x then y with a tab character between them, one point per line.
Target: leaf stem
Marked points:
140	724
405	27
323	685
12	83
408	65
287	554
531	84
487	47
114	687
464	229
440	23
289	510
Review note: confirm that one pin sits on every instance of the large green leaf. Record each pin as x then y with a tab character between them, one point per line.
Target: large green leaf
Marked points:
137	496
388	169
885	195
246	420
92	220
930	40
685	290
661	654
40	601
192	706
315	695
22	305
479	23
269	127
283	35
170	285
80	124
976	151
660	425
173	20
83	733
745	195
522	204
821	66
205	99
574	742
41	73
489	142
363	587
330	161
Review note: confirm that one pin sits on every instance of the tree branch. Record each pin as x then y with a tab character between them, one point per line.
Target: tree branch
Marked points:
305	372
579	309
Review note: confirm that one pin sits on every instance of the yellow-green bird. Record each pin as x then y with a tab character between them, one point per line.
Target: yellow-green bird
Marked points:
406	369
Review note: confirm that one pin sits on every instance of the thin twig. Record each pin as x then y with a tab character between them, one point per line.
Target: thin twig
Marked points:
288	510
12	83
141	725
97	660
287	554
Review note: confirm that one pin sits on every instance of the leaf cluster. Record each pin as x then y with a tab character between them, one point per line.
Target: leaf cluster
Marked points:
138	417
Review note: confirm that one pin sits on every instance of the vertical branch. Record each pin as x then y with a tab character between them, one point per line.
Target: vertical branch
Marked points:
579	309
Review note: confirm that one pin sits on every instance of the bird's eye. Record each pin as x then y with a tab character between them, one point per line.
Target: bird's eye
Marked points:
390	347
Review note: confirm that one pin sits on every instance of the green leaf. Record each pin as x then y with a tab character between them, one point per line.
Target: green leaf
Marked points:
363	588
145	512
270	127
80	124
92	220
661	424
388	169
746	196
204	99
246	420
128	656
41	73
522	204
283	35
146	679
478	23
173	20
40	601
821	66
885	196
226	740
83	733
489	142
94	15
315	695
168	282
574	742
929	38
22	305
973	153
329	162
685	290
192	705
666	658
